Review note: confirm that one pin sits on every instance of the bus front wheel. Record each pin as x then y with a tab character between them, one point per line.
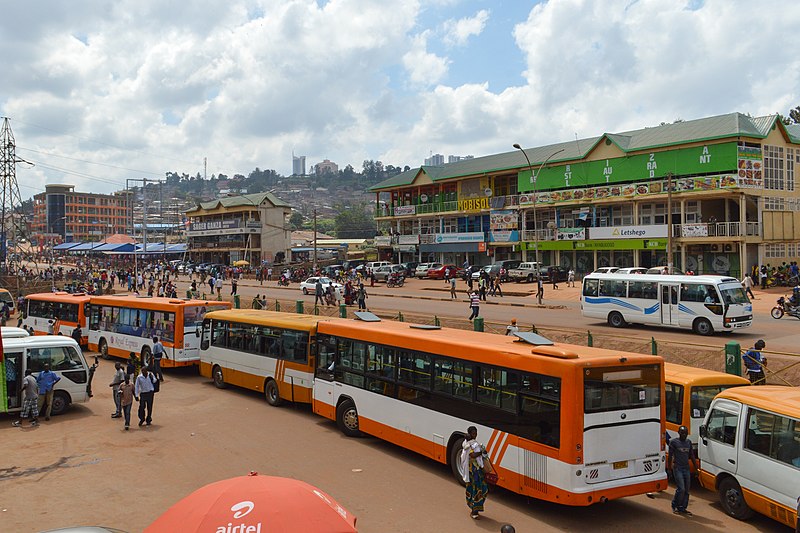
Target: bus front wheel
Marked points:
103	349
732	499
455	460
216	375
615	319
347	418
272	394
60	403
703	327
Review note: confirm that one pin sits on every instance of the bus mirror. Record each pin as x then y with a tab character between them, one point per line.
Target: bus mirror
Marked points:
204	345
703	433
197	331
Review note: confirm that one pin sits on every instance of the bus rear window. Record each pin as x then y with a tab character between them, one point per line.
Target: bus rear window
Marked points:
702	396
623	387
193	314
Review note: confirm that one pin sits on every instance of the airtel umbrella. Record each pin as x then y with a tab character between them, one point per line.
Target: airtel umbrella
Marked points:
256	504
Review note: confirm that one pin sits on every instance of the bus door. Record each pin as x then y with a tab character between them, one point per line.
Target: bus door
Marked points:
14	377
718	443
669	303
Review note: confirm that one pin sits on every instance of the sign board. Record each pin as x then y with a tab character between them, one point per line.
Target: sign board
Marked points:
571	234
402	210
504	225
694	230
629	232
383	240
408	239
214	225
442	238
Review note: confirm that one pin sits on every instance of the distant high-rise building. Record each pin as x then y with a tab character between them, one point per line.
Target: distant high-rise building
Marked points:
455	158
328	165
298	165
435	160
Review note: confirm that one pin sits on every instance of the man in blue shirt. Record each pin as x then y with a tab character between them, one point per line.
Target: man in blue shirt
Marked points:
680	453
158	353
143	392
46	381
754	363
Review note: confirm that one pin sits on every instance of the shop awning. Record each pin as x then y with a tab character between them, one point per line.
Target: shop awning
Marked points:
65	246
85	246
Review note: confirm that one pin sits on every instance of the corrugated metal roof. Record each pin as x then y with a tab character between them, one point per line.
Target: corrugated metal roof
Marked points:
404	178
703	129
794	132
242	200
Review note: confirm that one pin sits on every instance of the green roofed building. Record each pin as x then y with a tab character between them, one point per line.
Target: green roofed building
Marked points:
602	201
250	227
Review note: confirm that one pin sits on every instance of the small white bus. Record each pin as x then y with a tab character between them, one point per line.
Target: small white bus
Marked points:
704	304
65	359
750	451
10	332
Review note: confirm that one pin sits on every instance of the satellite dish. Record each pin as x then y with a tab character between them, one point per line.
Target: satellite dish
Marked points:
487	191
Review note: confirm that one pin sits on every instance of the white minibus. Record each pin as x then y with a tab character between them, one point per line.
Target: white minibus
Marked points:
750	451
65	359
9	332
704	304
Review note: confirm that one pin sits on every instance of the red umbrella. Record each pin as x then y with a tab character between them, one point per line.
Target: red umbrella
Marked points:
256	504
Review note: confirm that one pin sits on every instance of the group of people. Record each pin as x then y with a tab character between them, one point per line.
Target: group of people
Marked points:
140	381
38	394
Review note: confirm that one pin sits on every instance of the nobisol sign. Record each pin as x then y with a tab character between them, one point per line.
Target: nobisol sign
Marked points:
629	232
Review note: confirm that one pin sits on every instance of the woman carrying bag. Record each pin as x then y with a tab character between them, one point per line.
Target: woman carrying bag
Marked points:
474	462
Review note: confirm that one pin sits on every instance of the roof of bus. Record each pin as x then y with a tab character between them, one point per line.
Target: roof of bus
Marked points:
664	278
775	398
39	340
5	290
691	376
129	299
59	297
268	318
476	346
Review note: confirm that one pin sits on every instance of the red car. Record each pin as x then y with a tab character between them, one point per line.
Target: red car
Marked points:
438	273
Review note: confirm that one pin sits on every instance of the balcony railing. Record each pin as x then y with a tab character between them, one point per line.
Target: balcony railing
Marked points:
717	229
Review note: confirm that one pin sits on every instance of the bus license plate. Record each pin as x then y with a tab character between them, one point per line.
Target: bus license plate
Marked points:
619	465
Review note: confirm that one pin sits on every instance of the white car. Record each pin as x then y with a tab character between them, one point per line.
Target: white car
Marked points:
421	271
605	270
309	286
632	270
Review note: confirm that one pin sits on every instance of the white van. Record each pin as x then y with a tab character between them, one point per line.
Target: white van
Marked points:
375	264
66	360
9	332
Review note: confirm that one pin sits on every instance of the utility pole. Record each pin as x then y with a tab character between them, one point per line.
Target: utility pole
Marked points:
669	222
314	264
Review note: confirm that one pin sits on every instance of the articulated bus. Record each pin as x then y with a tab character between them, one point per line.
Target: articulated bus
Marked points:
265	351
70	309
704	304
563	423
121	324
750	452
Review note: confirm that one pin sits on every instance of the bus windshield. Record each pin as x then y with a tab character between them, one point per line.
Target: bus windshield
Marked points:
193	314
622	387
733	294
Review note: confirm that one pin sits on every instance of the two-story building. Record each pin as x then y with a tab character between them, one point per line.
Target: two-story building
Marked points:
602	201
250	227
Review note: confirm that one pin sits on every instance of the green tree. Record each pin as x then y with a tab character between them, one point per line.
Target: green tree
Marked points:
296	220
354	221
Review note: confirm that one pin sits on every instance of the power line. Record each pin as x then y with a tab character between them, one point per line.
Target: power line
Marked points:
148	172
78	174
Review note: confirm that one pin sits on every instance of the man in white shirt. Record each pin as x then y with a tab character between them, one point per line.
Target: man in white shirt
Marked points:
144	391
512	328
119	379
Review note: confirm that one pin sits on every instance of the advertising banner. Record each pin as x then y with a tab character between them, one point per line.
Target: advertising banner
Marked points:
629	232
571	234
383	240
504	226
402	210
749	163
408	239
694	230
442	238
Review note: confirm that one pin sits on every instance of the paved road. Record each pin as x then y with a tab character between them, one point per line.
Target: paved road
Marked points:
82	468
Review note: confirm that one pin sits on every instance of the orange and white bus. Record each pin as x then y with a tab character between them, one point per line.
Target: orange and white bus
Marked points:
750	452
121	324
265	351
563	423
70	310
688	393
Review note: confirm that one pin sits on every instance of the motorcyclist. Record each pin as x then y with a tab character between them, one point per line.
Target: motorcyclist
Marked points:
794	300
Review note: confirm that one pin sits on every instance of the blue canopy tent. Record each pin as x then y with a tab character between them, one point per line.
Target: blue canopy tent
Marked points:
120	248
85	247
65	246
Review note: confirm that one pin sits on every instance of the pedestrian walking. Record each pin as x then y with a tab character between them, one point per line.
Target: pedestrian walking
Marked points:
482	287
680	453
453	295
30	401
512	328
474	304
143	391
498	289
362	296
571	277
211	282
234	286
117	380
46	380
763	277
269	274
747	283
472	454
77	334
554	278
126	393
754	363
539	289
158	354
131	369
319	293
218	286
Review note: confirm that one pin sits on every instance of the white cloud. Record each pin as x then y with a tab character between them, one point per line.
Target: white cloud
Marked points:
424	68
457	32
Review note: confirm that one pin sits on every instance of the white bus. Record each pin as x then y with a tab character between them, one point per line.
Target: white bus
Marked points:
750	452
9	332
704	304
65	359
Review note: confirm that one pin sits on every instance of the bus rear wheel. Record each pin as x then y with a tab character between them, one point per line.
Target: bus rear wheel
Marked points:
272	394
347	418
219	379
103	349
615	319
455	460
703	327
732	499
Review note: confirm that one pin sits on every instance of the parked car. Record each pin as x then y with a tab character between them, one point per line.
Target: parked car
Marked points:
666	270
632	270
525	272
309	286
383	273
422	269
494	270
560	273
605	270
438	272
331	270
353	263
410	268
375	264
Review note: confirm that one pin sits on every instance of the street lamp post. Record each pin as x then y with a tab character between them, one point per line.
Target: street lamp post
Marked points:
534	178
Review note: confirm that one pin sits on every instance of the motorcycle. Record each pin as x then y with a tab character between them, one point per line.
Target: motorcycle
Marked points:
395	281
283	282
784	308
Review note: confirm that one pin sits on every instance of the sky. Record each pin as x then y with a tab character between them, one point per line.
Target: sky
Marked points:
98	92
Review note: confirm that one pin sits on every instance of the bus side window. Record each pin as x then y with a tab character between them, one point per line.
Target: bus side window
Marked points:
590	287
